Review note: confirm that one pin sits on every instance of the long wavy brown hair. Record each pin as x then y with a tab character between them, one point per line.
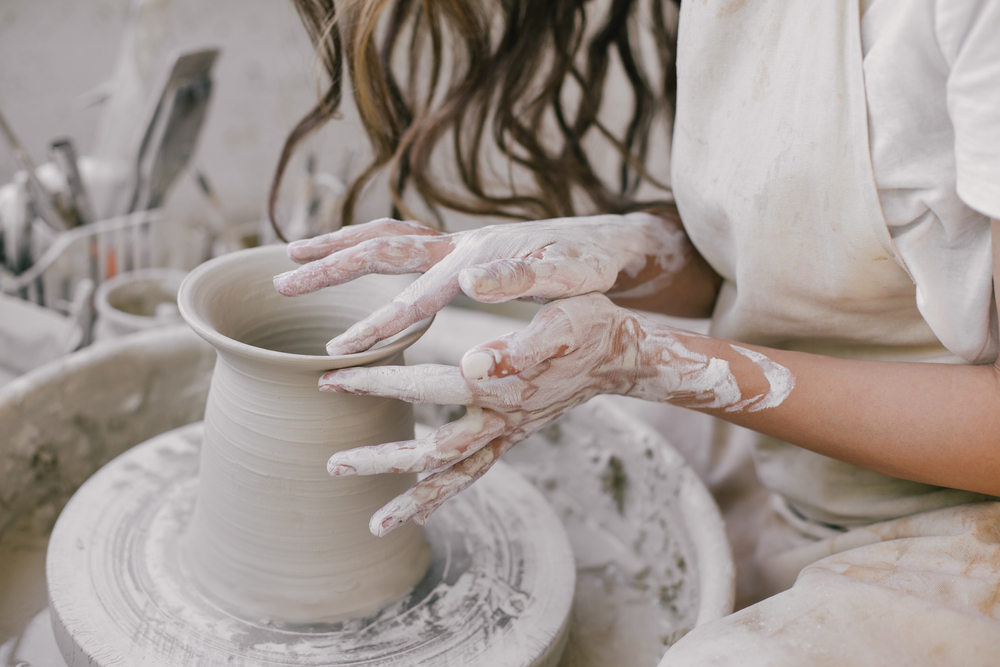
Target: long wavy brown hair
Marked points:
441	80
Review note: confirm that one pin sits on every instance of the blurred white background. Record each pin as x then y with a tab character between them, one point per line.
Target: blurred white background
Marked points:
58	59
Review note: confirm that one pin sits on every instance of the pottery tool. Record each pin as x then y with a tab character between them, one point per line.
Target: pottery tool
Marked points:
226	230
79	207
48	208
64	155
15	225
173	128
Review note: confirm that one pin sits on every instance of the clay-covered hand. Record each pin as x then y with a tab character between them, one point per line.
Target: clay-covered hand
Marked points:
628	255
572	350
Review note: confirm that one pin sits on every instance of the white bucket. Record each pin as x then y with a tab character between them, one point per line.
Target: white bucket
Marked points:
136	301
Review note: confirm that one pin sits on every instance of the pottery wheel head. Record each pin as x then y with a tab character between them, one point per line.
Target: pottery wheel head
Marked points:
498	591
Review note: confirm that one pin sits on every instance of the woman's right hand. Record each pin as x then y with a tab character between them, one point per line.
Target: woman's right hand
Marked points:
623	255
572	350
512	386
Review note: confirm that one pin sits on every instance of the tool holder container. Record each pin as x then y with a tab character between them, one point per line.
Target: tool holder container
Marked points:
83	257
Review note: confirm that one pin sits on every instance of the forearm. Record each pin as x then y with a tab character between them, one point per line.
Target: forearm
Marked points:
687	288
932	423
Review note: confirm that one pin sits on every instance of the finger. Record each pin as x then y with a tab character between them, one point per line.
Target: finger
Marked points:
550	277
424	383
393	256
424	297
309	250
427	495
504	279
439	450
550	334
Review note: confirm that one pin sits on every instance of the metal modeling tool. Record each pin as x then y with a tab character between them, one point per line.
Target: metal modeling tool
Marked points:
79	208
173	129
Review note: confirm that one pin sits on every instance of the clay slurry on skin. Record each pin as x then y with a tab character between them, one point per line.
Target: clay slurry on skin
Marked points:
627	256
779	379
573	349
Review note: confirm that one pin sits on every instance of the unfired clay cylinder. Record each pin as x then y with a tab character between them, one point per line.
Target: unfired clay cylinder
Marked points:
273	535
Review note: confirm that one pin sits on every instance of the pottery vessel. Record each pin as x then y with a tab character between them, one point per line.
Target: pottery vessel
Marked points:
136	301
273	536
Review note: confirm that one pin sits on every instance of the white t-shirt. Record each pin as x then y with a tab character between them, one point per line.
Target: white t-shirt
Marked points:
932	83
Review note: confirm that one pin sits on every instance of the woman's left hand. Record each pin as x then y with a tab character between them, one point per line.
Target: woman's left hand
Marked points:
632	256
512	386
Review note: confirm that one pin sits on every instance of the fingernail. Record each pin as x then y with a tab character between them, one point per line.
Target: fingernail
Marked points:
351	341
359	461
481	280
334	388
281	281
338	380
295	247
337	467
383	526
334	348
477	365
340	470
331	386
392	516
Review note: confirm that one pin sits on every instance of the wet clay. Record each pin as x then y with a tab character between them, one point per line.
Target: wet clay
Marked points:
272	535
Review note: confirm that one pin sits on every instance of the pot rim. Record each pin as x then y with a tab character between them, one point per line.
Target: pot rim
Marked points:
185	303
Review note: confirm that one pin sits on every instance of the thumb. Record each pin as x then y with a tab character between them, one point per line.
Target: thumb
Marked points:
548	335
500	280
548	278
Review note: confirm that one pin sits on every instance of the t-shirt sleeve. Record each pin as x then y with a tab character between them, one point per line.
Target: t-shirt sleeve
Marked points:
968	35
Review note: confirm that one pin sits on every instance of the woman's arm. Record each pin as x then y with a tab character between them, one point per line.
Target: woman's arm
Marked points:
932	423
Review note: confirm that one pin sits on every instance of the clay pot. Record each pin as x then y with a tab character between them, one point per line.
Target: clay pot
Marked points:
273	536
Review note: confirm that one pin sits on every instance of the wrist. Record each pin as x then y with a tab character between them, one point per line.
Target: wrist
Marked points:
684	368
652	252
694	371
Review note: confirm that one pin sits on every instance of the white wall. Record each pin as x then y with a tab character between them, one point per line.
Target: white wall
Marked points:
55	53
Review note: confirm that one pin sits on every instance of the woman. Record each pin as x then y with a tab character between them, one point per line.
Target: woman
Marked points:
835	169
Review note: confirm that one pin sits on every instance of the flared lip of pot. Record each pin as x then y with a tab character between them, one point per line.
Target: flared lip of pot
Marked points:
194	281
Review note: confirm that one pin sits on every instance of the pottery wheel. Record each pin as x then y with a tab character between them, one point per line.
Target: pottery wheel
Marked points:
498	591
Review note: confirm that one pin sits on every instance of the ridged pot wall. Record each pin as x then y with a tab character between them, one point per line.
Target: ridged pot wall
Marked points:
273	536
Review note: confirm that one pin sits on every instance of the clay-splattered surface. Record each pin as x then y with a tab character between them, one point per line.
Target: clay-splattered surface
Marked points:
633	597
498	592
629	505
59	424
